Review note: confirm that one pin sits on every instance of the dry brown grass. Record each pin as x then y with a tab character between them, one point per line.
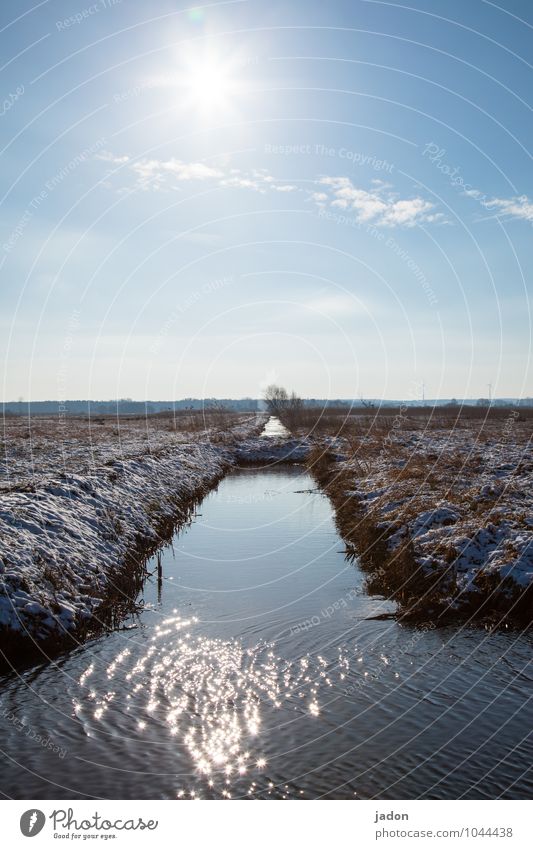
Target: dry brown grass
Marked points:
358	422
392	470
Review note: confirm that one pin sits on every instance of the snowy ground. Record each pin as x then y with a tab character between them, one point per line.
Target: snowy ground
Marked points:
272	450
79	497
461	496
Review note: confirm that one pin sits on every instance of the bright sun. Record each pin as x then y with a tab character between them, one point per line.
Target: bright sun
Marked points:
209	84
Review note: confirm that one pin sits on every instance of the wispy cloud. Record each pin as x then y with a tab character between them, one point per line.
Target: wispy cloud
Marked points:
379	206
516	207
106	156
160	174
155	173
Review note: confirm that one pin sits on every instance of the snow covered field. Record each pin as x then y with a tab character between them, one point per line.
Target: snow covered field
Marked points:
81	501
451	503
78	498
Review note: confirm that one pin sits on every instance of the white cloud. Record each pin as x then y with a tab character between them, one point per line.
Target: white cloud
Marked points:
378	206
153	173
517	207
189	170
243	182
165	173
107	156
408	212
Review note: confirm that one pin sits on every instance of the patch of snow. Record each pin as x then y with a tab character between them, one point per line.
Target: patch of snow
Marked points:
65	538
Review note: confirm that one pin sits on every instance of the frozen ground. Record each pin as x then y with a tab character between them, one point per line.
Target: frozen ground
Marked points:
79	497
460	497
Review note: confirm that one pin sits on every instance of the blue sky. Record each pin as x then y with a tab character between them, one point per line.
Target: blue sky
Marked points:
200	201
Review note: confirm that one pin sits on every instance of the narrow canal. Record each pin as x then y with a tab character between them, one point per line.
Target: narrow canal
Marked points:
257	669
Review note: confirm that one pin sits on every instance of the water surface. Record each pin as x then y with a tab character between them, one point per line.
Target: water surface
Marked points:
274	429
256	670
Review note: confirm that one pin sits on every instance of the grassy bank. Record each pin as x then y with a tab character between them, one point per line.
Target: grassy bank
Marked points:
436	504
82	505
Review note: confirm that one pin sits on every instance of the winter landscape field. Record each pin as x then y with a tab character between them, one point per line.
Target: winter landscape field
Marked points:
266	460
436	504
195	578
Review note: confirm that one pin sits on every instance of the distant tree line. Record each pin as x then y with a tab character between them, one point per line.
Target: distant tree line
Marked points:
280	400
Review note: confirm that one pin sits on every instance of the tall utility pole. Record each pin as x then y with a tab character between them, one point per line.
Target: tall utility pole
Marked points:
490	393
423	394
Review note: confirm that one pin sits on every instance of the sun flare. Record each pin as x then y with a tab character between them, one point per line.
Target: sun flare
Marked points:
207	83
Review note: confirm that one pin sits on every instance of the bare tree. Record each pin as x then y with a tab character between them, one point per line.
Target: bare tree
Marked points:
276	399
286	407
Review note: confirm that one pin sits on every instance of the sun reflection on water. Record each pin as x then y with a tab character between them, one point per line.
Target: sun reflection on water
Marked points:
212	697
